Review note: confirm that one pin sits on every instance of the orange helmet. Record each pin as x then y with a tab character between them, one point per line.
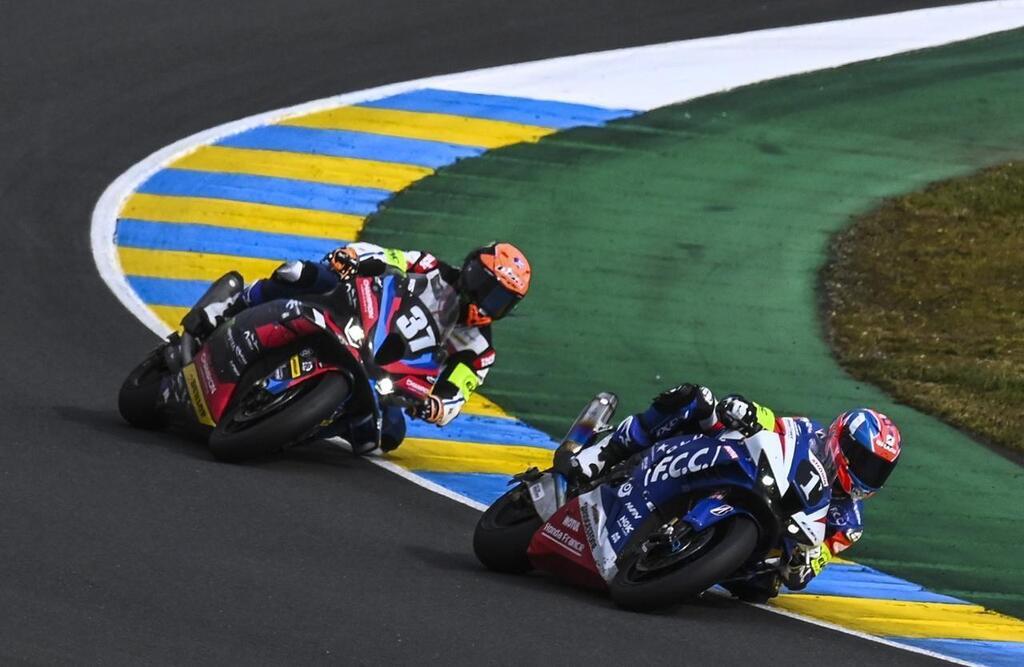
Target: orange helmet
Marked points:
494	279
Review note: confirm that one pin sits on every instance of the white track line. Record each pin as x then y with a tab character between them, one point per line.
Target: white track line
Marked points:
638	78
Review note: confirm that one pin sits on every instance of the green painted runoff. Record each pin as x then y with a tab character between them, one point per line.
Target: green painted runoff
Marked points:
685	245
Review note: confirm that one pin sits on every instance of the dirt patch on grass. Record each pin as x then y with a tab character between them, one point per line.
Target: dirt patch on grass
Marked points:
924	297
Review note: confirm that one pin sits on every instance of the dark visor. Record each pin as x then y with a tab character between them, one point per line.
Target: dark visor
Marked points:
489	295
870	469
498	302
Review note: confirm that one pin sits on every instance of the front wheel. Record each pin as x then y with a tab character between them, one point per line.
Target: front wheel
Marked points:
257	424
503	533
662	572
137	400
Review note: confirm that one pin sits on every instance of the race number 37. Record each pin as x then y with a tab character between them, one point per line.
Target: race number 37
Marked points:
415	328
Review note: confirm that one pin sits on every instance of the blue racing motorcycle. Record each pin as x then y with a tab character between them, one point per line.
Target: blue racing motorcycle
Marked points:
686	514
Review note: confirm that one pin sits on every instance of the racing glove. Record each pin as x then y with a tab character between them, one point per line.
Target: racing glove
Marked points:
738	414
805	563
675	398
343	261
437	410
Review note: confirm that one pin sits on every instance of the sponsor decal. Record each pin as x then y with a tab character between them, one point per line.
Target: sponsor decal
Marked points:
307	366
428	262
236	349
484	360
367	304
195	394
250	339
536	491
295	366
590	522
666	428
681	464
563	539
414	386
721	510
206	373
625	525
633	511
625	489
571	523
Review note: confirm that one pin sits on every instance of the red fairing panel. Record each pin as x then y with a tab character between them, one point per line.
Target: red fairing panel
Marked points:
561	547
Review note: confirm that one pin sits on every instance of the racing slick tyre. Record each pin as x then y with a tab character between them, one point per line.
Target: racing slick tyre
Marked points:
137	400
253	427
658	575
503	533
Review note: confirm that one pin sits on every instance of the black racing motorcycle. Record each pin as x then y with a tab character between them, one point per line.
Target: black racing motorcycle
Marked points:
279	373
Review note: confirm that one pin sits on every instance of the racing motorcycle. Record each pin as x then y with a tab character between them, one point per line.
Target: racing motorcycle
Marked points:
278	373
686	514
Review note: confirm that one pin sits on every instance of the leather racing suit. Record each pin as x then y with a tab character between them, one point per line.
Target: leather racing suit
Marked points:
690	409
470	353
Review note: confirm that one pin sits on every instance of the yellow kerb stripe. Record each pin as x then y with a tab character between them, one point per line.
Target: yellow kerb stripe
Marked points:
304	166
451	456
242	215
478	405
192	265
418	125
907	619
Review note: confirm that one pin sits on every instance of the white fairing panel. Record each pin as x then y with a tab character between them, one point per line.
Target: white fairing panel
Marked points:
595	524
780	449
813	524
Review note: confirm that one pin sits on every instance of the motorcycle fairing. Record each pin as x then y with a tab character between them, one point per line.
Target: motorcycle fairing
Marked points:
397	310
571	544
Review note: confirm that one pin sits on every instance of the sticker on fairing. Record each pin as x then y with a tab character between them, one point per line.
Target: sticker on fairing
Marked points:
596	529
195	394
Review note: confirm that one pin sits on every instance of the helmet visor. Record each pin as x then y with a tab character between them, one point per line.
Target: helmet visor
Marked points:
866	467
484	290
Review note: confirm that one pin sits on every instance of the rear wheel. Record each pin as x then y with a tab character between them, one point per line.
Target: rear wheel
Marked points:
503	533
261	423
663	571
137	400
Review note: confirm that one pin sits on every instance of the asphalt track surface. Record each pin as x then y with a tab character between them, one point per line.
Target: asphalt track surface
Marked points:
120	546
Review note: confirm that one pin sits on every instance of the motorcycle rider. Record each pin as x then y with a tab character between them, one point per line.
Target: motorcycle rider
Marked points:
491	281
864	446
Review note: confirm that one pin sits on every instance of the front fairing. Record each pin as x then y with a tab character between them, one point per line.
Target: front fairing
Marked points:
406	320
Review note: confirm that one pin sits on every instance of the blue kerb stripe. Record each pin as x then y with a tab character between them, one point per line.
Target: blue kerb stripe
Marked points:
220	240
342	143
265	190
994	654
860	581
167	291
485	430
544	113
481	487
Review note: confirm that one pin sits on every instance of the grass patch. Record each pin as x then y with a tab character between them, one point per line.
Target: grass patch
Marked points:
925	298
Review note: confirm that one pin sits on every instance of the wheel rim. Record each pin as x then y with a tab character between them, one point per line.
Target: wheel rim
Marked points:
261	404
660	555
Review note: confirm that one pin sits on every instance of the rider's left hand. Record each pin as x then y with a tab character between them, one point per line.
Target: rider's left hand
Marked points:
343	261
